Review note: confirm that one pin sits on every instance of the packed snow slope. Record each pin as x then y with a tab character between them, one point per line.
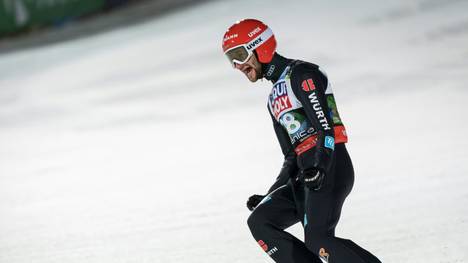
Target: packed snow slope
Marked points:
143	144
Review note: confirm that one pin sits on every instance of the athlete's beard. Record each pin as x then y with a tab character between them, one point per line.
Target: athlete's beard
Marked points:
253	74
252	69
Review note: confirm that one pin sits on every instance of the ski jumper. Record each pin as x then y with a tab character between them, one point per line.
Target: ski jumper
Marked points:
312	136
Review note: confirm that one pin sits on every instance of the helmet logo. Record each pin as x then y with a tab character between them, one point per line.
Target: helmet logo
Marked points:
260	39
230	37
255	43
253	32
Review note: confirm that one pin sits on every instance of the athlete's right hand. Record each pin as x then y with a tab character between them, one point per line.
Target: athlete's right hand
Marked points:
253	201
313	179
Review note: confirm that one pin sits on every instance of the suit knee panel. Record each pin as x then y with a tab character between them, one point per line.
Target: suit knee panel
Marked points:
258	223
315	241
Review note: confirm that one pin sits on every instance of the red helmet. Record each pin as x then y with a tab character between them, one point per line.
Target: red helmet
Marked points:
245	36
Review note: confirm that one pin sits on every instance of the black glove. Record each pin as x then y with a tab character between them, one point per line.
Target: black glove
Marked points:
313	179
253	201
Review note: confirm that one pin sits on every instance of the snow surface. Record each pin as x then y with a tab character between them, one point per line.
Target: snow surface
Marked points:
142	144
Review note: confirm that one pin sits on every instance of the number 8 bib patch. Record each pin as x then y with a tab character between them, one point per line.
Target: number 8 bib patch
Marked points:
296	125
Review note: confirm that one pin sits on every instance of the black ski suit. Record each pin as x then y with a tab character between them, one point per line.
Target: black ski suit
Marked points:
311	136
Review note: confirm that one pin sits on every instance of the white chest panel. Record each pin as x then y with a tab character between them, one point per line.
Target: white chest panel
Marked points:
282	99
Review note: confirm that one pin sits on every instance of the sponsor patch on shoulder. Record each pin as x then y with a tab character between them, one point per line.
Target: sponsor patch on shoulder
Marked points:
330	142
308	85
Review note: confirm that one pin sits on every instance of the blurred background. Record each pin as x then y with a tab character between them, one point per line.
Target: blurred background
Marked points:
126	136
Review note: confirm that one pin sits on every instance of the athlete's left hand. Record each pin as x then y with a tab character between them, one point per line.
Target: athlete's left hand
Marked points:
253	201
313	179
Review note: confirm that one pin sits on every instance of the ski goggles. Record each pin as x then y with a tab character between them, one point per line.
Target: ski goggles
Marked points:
242	53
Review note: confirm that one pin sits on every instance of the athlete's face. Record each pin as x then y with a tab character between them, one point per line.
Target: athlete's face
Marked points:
252	69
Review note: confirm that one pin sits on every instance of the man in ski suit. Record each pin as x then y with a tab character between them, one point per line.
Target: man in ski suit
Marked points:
317	172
